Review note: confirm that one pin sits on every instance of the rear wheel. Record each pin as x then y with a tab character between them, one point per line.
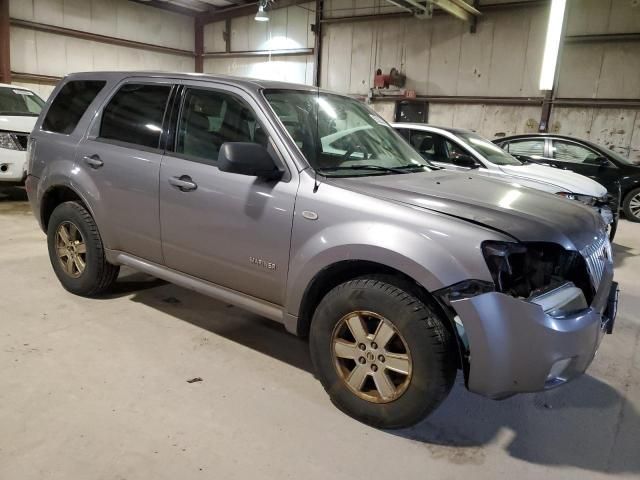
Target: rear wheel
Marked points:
383	356
76	251
631	205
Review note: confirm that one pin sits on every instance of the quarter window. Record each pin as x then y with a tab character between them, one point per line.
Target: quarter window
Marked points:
209	119
527	148
70	103
135	113
572	152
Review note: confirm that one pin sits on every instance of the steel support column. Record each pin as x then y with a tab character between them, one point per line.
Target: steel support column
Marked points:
199	45
5	43
317	48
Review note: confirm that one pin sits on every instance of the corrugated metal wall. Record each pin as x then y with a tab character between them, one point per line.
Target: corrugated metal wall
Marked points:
56	55
288	28
502	59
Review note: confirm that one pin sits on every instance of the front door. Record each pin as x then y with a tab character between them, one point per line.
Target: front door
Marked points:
585	161
229	229
122	155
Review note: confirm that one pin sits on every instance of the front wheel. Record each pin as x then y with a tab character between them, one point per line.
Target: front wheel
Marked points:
383	356
631	205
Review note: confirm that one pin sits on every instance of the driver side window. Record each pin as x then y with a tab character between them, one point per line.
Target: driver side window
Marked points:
208	119
572	152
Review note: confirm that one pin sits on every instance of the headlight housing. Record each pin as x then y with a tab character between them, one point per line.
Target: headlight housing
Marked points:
8	141
525	270
584	199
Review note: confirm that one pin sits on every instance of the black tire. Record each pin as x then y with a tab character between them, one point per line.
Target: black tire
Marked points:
431	346
98	275
626	205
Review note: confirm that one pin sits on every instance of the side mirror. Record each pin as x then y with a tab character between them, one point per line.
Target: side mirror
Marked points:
466	161
245	158
602	161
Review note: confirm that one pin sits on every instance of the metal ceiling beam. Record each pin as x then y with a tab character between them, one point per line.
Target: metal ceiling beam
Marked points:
169	7
456	9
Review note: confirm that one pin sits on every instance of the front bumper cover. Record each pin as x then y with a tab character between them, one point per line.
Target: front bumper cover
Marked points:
516	347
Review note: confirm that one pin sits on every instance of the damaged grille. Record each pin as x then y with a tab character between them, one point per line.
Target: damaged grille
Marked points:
597	255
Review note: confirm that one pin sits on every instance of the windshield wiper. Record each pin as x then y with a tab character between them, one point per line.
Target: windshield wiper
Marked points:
361	167
414	167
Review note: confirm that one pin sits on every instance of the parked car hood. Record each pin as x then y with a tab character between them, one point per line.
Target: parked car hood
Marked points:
17	123
557	178
521	212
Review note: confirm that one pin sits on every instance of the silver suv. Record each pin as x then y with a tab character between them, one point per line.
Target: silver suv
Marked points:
401	274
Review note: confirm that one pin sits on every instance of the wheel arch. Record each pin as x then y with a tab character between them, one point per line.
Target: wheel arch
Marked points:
56	195
343	271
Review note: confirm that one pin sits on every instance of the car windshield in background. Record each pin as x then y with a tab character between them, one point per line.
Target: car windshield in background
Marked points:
19	102
340	136
488	149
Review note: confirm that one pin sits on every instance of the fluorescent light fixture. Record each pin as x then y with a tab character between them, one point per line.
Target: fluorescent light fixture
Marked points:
261	16
552	44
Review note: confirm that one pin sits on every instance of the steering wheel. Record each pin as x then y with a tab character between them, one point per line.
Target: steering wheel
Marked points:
355	147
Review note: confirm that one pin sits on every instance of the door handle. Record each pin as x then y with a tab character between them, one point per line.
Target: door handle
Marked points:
93	161
183	183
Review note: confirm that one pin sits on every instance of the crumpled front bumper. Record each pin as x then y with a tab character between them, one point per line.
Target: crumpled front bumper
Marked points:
516	347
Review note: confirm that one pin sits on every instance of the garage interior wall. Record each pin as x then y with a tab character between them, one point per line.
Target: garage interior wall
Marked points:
40	53
287	29
442	58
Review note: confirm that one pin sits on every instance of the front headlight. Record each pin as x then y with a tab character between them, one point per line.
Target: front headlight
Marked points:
7	140
525	270
585	199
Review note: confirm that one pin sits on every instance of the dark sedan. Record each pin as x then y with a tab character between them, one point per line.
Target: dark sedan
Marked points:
618	174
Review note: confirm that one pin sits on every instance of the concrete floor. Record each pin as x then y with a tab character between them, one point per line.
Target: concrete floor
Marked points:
97	389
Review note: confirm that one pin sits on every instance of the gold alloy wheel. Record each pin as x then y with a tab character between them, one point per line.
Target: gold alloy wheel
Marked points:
371	357
71	249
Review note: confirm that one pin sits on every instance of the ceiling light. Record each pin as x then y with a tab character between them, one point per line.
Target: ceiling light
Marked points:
262	16
552	44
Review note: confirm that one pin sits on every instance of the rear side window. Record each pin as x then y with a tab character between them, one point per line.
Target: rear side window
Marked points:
135	114
529	148
70	104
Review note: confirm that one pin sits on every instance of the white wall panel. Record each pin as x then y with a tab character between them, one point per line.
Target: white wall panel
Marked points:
117	18
214	37
295	69
57	55
439	56
618	129
488	120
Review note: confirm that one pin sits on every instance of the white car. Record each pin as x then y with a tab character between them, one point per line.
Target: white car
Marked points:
19	110
459	149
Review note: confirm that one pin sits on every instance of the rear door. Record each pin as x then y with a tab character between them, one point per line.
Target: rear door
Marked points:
121	155
229	229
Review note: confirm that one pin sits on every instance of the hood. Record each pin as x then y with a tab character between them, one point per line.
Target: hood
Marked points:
17	123
523	213
556	179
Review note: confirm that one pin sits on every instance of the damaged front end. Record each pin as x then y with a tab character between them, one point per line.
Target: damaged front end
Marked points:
540	321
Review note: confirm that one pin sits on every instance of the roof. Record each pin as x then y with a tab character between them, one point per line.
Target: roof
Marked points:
427	126
245	82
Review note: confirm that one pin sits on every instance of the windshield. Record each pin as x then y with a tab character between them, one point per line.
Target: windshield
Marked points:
488	149
17	101
340	136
